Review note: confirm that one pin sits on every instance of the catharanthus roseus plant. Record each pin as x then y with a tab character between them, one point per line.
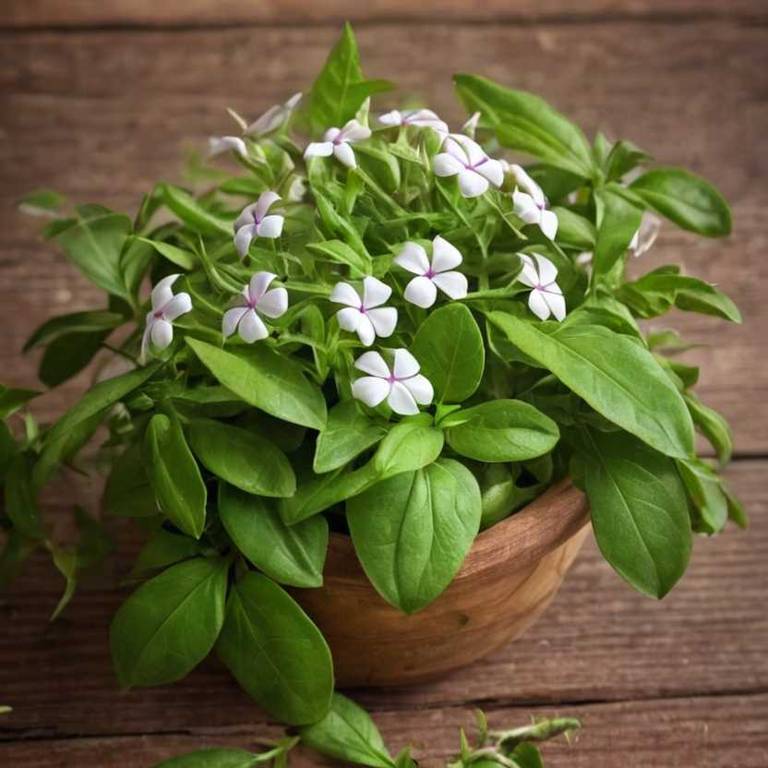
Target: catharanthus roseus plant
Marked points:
381	327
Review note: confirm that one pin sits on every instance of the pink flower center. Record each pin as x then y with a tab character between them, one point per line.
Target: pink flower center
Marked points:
157	314
361	309
430	273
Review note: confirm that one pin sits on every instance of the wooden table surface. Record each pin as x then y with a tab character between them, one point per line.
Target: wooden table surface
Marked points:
99	99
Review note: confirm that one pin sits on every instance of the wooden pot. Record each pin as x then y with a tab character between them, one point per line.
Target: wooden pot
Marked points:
510	575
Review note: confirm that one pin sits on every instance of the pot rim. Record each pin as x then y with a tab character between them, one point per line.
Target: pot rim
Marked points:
522	538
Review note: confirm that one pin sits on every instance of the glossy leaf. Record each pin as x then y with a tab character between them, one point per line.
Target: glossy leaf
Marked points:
13	398
192	213
74	323
359	262
20	498
713	426
709	502
128	492
213	758
408	446
348	432
618	221
162	549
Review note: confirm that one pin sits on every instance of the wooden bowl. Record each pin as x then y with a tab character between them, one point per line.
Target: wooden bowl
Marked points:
510	575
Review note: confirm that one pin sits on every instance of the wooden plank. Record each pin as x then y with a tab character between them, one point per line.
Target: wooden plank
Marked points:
685	733
199	13
599	641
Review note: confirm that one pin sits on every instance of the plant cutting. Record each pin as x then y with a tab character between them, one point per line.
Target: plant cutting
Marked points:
379	344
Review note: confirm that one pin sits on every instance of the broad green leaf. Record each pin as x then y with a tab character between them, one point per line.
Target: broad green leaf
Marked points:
178	256
619	219
15	550
639	510
41	202
335	250
348	432
170	623
527	755
162	549
128	492
174	475
412	531
67	355
451	352
340	87
574	230
266	380
526	123
20	499
407	447
623	157
620	379
289	554
501	430
713	426
94	244
347	733
706	495
192	213
275	651
688	200
74	323
501	495
90	406
243	458
12	398
212	758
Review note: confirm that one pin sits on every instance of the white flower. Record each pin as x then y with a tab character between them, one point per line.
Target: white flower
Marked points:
219	144
165	309
463	157
422	290
273	118
420	118
254	300
546	298
646	234
530	204
254	222
403	387
365	315
338	142
470	127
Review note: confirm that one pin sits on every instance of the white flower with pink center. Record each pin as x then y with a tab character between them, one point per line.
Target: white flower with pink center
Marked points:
422	290
338	142
419	118
217	145
531	204
256	221
273	118
365	314
546	298
646	235
402	386
255	300
165	309
465	158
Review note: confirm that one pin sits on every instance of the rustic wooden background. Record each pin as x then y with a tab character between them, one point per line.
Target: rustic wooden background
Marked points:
99	99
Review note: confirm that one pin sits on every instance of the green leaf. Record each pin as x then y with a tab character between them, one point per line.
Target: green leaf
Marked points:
347	733
213	758
451	353
178	256
175	476
619	219
162	549
192	213
526	123
67	355
94	244
688	200
527	755
639	510
574	230
338	251
412	531
275	651
623	157
74	323
348	432
266	380
170	623
41	202
128	492
289	554
407	447
20	498
620	379
712	425
501	430
90	407
340	87
243	458
11	399
706	494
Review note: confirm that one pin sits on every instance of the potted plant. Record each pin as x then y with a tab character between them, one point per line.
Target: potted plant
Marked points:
391	338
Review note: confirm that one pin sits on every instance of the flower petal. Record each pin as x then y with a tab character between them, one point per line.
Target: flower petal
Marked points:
162	293
231	319
245	217
145	340
525	207
473	151
252	328
349	319
243	238
547	271
370	390
401	401
493	171
266	200
445	164
354	131
548	224
270	226
528	185
266	123
453	284
471	183
413	258
258	284
405	364
384	320
319	149
161	333
373	363
274	303
538	304
553	296
455	149
529	275
344	293
365	330
421	389
179	305
421	291
220	144
445	255
345	154
392	118
375	293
